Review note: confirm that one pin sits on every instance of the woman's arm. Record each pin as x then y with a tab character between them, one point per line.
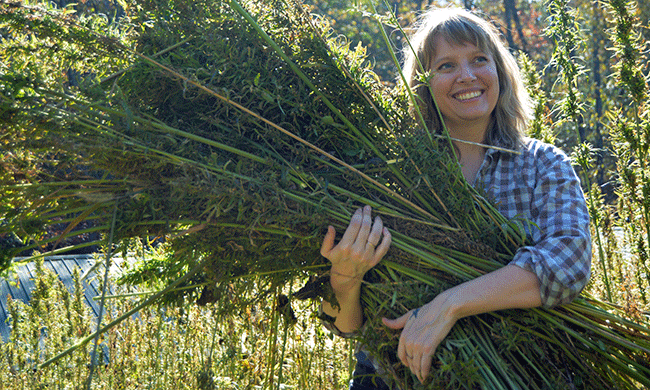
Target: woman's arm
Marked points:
541	186
348	314
358	251
560	255
424	329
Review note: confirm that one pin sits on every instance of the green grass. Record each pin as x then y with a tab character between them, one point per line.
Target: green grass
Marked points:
188	347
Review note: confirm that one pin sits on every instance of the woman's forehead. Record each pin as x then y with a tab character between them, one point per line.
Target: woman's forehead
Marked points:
459	33
442	41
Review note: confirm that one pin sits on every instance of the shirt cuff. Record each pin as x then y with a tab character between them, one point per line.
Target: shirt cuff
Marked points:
554	289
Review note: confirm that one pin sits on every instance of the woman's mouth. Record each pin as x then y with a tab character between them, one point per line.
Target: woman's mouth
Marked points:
468	95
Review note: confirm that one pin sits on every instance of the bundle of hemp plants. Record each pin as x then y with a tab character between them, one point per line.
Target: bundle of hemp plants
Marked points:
235	132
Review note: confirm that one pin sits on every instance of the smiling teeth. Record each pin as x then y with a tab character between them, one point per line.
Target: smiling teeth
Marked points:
469	95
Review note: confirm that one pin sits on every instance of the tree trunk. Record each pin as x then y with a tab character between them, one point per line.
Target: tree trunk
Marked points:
512	16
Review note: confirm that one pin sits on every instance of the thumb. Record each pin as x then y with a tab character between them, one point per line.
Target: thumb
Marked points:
328	241
397	323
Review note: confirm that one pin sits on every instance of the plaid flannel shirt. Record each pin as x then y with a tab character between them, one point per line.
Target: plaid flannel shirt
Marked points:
541	186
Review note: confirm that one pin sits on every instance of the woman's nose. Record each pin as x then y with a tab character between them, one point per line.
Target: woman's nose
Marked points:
466	74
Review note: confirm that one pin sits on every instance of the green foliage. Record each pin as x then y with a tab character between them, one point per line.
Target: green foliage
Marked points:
625	120
179	158
539	127
563	28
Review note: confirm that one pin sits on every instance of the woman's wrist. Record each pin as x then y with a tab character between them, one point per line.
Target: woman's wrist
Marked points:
344	281
450	304
347	310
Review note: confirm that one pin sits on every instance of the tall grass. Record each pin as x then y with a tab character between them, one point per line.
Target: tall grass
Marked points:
169	347
630	128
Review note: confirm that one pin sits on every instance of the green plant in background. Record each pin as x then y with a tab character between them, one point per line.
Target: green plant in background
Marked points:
163	347
620	230
540	127
630	129
564	27
236	133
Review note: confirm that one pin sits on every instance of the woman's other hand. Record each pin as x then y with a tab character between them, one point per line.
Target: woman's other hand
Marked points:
360	249
423	329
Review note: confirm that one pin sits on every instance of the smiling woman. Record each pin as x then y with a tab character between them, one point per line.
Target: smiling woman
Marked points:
461	68
465	85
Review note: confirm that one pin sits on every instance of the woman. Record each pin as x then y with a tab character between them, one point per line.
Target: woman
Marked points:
478	88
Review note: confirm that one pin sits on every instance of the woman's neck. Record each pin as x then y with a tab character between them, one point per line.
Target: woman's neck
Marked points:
470	158
471	132
470	155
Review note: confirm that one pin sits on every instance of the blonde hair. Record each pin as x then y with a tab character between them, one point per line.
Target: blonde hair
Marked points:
459	27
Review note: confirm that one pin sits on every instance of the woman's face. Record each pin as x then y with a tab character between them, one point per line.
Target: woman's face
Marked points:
465	85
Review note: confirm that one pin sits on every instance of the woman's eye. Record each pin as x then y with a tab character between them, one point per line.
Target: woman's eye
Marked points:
444	67
481	59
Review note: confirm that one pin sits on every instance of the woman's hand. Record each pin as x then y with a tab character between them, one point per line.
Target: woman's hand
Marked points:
358	251
423	330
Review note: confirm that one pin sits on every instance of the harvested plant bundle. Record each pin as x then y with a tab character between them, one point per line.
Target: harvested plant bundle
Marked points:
238	138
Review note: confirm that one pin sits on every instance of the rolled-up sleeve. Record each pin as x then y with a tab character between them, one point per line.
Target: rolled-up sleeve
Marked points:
547	192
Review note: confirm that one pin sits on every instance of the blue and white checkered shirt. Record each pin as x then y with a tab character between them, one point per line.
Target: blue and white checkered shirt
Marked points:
540	185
